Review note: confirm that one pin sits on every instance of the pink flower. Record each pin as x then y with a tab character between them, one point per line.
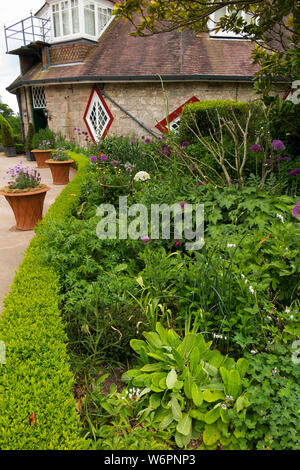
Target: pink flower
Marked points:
145	239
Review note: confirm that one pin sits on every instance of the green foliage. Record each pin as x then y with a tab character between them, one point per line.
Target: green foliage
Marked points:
43	134
36	377
186	387
6	135
29	137
202	117
272	421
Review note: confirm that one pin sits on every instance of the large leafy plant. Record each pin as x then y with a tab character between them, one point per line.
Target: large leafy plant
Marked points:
187	387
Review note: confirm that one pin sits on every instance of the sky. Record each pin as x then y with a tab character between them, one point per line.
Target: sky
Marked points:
12	11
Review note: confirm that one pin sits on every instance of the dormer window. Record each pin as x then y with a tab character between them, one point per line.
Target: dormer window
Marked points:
220	33
72	19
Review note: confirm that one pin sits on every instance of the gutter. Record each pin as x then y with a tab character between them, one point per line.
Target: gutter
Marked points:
141	78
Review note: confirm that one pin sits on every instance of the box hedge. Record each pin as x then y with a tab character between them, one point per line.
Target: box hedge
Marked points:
37	407
202	116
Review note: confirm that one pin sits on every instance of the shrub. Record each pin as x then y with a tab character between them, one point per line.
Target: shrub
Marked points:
43	134
202	115
7	138
37	408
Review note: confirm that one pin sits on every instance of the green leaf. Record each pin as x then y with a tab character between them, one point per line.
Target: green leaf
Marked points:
137	345
194	359
211	434
155	400
166	421
182	440
176	410
242	366
197	395
184	426
171	379
188	385
196	414
213	395
153	339
232	382
212	415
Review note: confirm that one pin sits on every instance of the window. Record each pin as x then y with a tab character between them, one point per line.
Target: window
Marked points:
73	17
56	20
174	118
38	97
215	18
98	117
89	19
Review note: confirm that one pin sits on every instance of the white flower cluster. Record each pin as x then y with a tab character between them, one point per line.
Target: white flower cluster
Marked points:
142	176
133	394
251	290
280	217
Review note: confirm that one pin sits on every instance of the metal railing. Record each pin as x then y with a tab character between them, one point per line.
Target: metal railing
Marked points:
26	31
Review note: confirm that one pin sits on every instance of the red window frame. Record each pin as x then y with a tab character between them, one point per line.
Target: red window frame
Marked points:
162	126
110	116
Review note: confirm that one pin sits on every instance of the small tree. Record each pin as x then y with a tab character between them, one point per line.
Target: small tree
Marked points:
29	137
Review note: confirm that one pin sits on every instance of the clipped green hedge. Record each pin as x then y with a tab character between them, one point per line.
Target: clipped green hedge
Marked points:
36	377
204	113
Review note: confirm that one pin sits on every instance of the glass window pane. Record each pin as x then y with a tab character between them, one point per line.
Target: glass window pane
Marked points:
75	16
65	18
104	15
89	19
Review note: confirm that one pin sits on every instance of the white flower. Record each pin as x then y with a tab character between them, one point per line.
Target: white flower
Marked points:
253	351
142	176
224	406
280	217
251	290
292	317
231	245
219	336
287	310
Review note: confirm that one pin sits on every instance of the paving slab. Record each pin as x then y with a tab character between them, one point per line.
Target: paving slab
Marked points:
13	242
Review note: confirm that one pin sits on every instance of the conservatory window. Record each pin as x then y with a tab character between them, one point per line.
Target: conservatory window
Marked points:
215	18
98	117
75	16
65	18
56	20
104	15
89	19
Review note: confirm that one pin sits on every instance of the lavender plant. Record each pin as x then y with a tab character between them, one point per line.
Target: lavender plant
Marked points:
60	155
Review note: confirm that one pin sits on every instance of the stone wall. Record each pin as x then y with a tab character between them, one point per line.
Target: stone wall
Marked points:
66	104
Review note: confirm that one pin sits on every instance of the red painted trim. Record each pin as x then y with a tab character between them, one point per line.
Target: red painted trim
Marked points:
290	91
111	118
162	126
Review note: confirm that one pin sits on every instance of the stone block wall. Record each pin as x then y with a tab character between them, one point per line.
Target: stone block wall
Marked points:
66	104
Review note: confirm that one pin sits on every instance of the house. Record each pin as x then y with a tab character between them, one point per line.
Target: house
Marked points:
80	68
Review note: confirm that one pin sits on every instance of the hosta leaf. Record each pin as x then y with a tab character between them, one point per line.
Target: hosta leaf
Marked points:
155	400
171	379
184	426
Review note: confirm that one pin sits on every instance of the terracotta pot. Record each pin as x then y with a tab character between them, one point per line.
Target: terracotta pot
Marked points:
41	156
27	207
60	171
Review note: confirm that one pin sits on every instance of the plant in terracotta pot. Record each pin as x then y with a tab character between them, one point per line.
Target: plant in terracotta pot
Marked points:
25	194
60	164
42	153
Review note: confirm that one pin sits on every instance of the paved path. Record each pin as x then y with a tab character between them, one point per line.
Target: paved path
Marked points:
14	242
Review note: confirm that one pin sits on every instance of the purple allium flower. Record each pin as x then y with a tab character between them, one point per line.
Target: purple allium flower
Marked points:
278	145
283	159
93	158
145	239
200	183
185	144
296	210
294	172
255	148
103	158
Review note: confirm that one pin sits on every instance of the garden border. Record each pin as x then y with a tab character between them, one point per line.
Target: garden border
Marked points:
37	407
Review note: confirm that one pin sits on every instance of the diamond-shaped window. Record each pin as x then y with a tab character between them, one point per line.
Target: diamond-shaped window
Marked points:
97	117
174	118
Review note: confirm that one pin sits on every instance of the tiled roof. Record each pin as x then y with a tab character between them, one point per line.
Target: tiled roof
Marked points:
176	54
